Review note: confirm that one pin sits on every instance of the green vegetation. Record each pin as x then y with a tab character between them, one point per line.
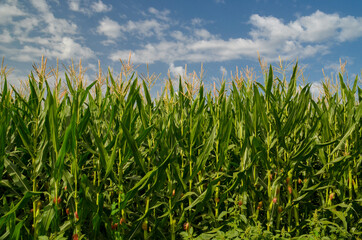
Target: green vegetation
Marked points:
242	161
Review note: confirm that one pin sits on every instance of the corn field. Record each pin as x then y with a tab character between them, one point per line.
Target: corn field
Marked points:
245	160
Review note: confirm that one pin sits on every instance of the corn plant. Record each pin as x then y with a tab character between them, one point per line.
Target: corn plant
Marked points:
106	160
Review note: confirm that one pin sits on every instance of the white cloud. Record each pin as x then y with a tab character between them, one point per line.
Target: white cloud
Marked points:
351	28
163	51
56	2
74	5
40	5
317	27
176	71
191	51
155	25
108	42
68	49
59	27
304	37
83	6
145	28
28	53
142	28
271	28
196	21
178	35
163	15
203	34
101	7
41	33
334	67
5	37
8	12
64	49
316	89
55	26
26	25
109	28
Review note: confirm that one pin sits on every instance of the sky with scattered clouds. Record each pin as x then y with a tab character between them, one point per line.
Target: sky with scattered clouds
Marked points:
166	35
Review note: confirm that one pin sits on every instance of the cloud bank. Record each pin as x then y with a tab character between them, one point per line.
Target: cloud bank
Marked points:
27	33
304	37
39	33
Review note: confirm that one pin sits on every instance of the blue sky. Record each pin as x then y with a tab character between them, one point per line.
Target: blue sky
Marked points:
167	34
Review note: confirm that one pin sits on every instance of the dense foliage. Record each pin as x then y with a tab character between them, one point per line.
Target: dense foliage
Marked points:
245	161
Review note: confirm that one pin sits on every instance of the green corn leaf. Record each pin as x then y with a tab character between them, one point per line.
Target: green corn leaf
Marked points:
341	216
292	84
85	93
110	160
19	205
344	138
18	176
179	179
269	84
59	164
145	180
3	143
136	154
24	134
102	152
147	94
69	85
141	110
205	196
188	194
47	216
200	162
17	231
